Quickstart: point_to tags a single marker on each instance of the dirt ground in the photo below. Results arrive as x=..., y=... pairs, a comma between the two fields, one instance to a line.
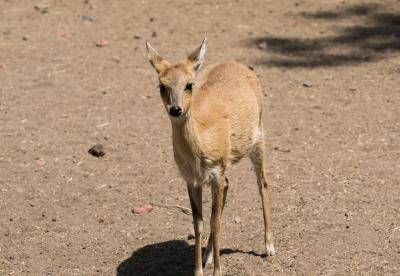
x=330, y=71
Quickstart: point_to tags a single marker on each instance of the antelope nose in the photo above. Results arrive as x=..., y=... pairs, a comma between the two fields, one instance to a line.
x=175, y=111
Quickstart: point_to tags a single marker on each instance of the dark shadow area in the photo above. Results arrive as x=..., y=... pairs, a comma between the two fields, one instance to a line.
x=375, y=34
x=355, y=10
x=167, y=258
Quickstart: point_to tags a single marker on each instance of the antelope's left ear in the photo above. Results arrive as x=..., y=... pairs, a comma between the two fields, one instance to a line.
x=197, y=56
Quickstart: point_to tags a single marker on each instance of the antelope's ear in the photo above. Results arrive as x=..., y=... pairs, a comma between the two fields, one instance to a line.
x=155, y=59
x=197, y=56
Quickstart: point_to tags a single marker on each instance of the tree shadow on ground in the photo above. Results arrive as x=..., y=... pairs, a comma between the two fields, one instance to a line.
x=376, y=32
x=174, y=257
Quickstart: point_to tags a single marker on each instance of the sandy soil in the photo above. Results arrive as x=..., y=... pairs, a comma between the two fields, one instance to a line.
x=333, y=148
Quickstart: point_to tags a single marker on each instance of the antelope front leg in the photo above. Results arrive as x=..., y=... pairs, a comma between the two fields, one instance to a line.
x=208, y=257
x=217, y=190
x=195, y=196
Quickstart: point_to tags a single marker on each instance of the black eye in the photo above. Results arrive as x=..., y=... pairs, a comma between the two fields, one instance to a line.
x=189, y=87
x=162, y=88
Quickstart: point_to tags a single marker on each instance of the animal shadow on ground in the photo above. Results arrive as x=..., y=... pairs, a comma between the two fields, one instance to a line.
x=374, y=31
x=175, y=257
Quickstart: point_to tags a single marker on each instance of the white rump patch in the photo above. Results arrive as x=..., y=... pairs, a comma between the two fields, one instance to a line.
x=215, y=172
x=199, y=175
x=211, y=175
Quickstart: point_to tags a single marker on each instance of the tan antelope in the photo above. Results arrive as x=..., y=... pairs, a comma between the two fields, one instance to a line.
x=216, y=118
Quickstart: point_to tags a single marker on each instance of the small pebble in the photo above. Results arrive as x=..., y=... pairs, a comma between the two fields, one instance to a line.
x=282, y=150
x=102, y=43
x=42, y=9
x=87, y=18
x=307, y=83
x=147, y=208
x=154, y=34
x=136, y=36
x=97, y=150
x=263, y=45
x=25, y=38
x=237, y=220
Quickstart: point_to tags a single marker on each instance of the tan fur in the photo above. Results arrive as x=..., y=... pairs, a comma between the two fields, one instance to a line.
x=221, y=123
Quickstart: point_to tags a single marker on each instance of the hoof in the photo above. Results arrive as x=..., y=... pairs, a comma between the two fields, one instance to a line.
x=270, y=249
x=198, y=272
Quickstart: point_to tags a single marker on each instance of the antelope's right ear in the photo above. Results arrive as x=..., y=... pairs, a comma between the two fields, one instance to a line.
x=196, y=58
x=155, y=59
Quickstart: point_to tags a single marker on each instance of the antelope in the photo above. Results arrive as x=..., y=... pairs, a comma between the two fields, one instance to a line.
x=216, y=119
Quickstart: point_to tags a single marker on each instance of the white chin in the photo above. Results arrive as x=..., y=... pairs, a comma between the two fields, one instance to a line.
x=178, y=118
